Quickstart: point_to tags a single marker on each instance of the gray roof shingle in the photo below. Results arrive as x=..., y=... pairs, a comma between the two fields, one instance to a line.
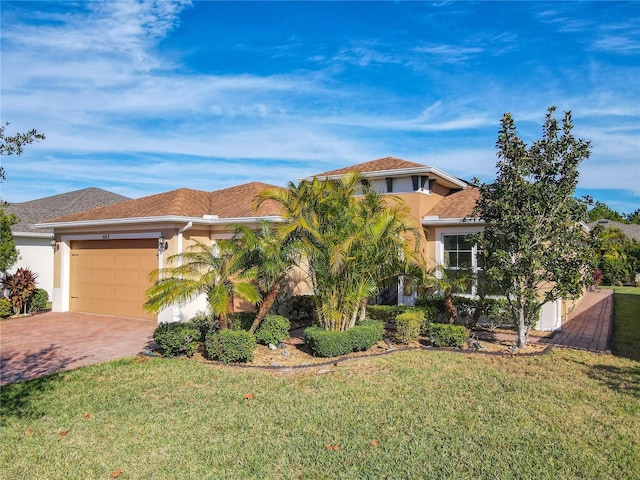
x=43, y=209
x=632, y=231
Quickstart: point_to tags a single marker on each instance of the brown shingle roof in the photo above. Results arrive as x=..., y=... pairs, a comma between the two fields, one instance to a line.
x=233, y=202
x=379, y=165
x=458, y=204
x=42, y=209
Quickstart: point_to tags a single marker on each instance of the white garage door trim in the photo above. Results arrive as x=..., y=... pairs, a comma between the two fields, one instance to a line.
x=63, y=294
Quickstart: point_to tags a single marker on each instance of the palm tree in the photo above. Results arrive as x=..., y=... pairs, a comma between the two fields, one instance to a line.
x=350, y=243
x=269, y=257
x=212, y=270
x=448, y=282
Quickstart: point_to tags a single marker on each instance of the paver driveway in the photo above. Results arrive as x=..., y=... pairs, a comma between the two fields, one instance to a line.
x=45, y=343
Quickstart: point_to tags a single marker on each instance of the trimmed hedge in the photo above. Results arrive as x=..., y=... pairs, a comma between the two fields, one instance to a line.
x=408, y=326
x=205, y=324
x=445, y=335
x=388, y=313
x=496, y=309
x=273, y=329
x=230, y=345
x=177, y=338
x=326, y=343
x=366, y=334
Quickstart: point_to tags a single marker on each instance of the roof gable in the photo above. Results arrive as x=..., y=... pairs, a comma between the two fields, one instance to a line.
x=42, y=209
x=379, y=165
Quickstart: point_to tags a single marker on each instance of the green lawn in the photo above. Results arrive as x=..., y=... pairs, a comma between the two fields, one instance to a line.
x=626, y=328
x=416, y=414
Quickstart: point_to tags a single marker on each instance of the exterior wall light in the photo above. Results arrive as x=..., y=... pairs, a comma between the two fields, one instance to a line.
x=162, y=244
x=54, y=244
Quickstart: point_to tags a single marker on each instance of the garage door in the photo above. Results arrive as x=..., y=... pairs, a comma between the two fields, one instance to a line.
x=111, y=276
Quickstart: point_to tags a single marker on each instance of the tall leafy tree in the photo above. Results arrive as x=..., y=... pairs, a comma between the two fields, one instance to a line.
x=601, y=211
x=351, y=244
x=534, y=240
x=270, y=257
x=11, y=145
x=634, y=217
x=211, y=270
x=8, y=250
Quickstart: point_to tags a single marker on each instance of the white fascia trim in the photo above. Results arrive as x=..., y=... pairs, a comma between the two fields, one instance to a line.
x=452, y=221
x=164, y=219
x=32, y=234
x=400, y=172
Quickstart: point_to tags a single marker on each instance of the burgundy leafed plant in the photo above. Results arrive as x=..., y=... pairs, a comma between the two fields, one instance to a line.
x=18, y=288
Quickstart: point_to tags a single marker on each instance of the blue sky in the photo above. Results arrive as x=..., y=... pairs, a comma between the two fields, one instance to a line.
x=148, y=96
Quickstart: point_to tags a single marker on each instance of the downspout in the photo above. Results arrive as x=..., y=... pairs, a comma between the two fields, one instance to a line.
x=177, y=315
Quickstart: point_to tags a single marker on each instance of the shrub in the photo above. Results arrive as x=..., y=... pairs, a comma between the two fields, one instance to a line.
x=298, y=309
x=273, y=329
x=38, y=300
x=177, y=338
x=204, y=323
x=242, y=320
x=230, y=345
x=445, y=335
x=388, y=313
x=497, y=309
x=20, y=286
x=325, y=343
x=466, y=306
x=365, y=334
x=5, y=307
x=433, y=301
x=409, y=326
x=385, y=313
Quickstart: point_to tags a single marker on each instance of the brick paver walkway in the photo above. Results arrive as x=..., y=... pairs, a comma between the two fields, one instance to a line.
x=45, y=343
x=589, y=326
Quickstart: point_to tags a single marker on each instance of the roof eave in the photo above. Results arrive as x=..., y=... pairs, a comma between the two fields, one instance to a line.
x=399, y=172
x=452, y=221
x=159, y=219
x=32, y=234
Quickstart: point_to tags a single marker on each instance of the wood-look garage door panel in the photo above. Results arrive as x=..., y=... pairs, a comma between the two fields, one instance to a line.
x=112, y=276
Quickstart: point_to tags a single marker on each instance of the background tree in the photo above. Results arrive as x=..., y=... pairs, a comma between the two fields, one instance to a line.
x=214, y=271
x=350, y=244
x=8, y=250
x=534, y=242
x=270, y=257
x=11, y=145
x=634, y=217
x=618, y=257
x=601, y=211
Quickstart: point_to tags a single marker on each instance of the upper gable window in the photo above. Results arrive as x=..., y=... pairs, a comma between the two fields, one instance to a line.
x=422, y=183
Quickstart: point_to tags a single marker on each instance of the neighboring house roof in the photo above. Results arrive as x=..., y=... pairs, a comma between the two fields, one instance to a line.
x=42, y=209
x=632, y=231
x=381, y=164
x=458, y=204
x=233, y=202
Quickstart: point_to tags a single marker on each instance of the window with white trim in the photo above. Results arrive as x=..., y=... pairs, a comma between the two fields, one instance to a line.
x=460, y=256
